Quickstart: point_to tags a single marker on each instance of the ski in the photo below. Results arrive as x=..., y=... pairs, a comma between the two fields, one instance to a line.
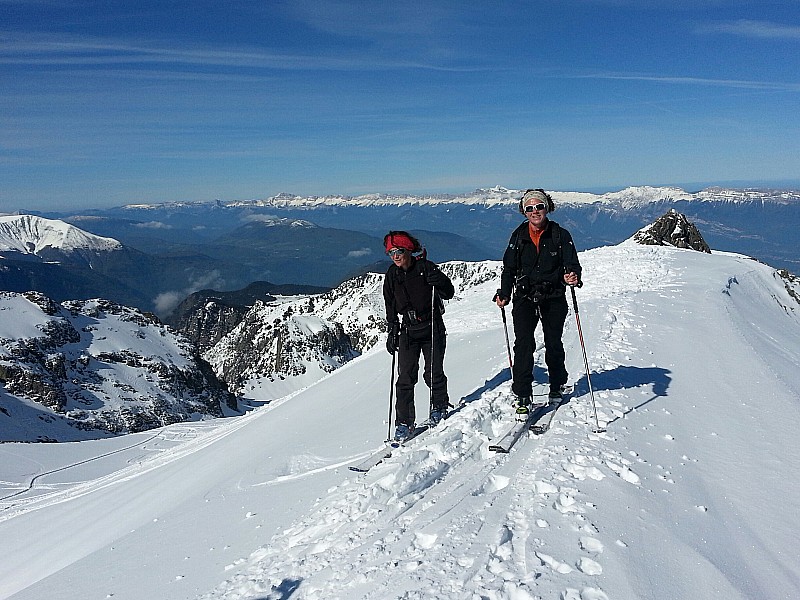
x=414, y=434
x=507, y=441
x=379, y=456
x=373, y=459
x=540, y=428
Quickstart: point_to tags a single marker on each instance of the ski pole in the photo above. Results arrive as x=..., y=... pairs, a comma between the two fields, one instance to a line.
x=391, y=395
x=433, y=304
x=508, y=344
x=597, y=429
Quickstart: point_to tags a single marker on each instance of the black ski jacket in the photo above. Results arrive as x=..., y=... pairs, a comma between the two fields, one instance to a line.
x=527, y=271
x=407, y=291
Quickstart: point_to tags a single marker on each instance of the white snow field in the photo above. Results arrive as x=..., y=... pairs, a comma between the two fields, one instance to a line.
x=690, y=494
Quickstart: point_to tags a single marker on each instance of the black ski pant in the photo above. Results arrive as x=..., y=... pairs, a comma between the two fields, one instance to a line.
x=526, y=315
x=412, y=344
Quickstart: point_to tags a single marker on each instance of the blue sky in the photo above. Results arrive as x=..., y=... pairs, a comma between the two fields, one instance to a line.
x=109, y=102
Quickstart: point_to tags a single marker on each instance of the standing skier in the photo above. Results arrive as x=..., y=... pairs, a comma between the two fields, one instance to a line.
x=538, y=264
x=414, y=288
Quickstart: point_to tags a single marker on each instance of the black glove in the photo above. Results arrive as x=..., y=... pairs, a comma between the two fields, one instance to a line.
x=433, y=277
x=501, y=295
x=393, y=338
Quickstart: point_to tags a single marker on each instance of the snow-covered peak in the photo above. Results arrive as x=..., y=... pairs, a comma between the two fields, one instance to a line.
x=631, y=197
x=30, y=234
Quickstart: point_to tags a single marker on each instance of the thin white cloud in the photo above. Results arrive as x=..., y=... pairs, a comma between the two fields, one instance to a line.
x=359, y=253
x=753, y=29
x=153, y=225
x=705, y=81
x=60, y=49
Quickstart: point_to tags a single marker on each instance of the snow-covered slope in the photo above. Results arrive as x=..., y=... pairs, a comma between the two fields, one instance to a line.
x=29, y=234
x=688, y=495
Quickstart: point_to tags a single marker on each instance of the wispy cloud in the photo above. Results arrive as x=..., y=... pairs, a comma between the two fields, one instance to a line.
x=752, y=29
x=704, y=81
x=63, y=50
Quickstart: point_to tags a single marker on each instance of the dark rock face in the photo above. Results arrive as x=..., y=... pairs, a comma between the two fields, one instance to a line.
x=672, y=229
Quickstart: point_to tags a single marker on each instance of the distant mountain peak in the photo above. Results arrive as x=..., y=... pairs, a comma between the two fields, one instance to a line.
x=30, y=234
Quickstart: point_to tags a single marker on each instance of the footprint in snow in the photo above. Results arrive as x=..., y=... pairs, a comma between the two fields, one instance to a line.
x=545, y=487
x=624, y=472
x=589, y=566
x=494, y=483
x=581, y=472
x=557, y=566
x=565, y=504
x=425, y=541
x=591, y=544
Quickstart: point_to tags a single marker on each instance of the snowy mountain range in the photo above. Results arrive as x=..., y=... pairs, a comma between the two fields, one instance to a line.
x=693, y=362
x=309, y=336
x=629, y=197
x=758, y=222
x=167, y=252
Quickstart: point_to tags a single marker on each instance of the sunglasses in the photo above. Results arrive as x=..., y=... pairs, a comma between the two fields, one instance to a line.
x=533, y=207
x=396, y=252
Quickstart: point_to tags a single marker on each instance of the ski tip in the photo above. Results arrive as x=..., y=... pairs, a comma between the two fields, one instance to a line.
x=498, y=449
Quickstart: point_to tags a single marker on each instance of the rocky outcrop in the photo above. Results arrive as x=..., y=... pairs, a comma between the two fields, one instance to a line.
x=672, y=229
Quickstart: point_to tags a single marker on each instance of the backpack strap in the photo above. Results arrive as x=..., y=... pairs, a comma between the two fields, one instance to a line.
x=555, y=232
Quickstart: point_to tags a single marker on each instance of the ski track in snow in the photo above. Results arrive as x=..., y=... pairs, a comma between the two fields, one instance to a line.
x=166, y=446
x=392, y=532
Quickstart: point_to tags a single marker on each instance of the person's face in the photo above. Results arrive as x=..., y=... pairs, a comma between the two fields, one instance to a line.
x=401, y=257
x=536, y=212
